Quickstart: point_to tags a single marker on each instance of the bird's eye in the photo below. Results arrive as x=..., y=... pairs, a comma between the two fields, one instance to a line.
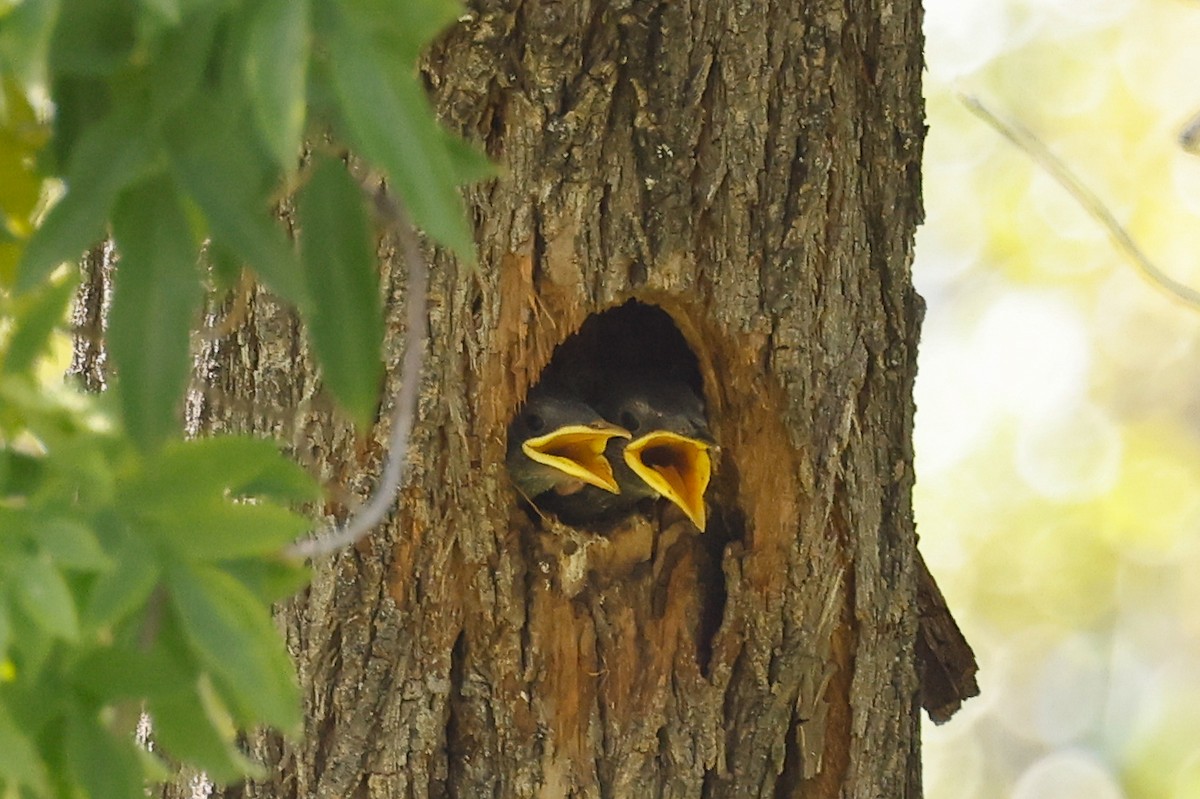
x=630, y=422
x=534, y=422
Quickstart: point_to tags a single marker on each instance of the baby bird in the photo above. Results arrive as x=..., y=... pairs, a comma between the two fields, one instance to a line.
x=556, y=448
x=669, y=454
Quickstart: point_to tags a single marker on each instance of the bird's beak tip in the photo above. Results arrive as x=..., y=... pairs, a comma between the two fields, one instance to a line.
x=612, y=430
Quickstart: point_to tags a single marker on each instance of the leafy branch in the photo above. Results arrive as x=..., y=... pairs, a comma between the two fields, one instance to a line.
x=137, y=569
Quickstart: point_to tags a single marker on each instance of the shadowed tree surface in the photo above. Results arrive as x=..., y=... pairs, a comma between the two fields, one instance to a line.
x=749, y=175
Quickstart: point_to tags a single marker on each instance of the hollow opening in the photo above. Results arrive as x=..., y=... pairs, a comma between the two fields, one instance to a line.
x=633, y=368
x=627, y=376
x=635, y=338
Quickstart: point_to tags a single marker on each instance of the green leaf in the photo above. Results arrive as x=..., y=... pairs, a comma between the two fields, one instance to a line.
x=107, y=768
x=233, y=635
x=36, y=318
x=347, y=325
x=228, y=179
x=116, y=672
x=180, y=60
x=10, y=254
x=270, y=580
x=80, y=103
x=93, y=37
x=391, y=122
x=211, y=468
x=70, y=544
x=276, y=68
x=156, y=298
x=109, y=156
x=31, y=650
x=404, y=29
x=219, y=530
x=119, y=592
x=469, y=163
x=20, y=474
x=154, y=769
x=42, y=593
x=25, y=40
x=226, y=266
x=167, y=10
x=5, y=635
x=194, y=726
x=22, y=137
x=285, y=482
x=19, y=760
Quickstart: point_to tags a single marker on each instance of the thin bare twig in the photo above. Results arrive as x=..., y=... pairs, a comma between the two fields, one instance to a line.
x=404, y=413
x=1027, y=142
x=1189, y=137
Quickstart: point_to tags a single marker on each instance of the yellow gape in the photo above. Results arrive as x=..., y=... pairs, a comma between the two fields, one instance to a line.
x=578, y=450
x=675, y=466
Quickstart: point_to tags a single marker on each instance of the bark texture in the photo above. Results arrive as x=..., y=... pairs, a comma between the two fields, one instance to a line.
x=751, y=170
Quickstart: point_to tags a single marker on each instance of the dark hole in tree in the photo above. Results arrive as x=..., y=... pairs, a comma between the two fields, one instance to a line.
x=634, y=338
x=640, y=339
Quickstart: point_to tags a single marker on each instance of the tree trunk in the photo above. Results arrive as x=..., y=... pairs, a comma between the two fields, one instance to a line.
x=752, y=171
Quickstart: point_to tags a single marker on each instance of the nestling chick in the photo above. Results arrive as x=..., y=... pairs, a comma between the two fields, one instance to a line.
x=556, y=446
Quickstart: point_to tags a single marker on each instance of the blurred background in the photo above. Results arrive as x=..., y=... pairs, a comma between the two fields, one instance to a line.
x=1058, y=399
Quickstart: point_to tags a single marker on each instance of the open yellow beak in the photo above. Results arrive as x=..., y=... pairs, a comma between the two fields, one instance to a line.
x=578, y=450
x=675, y=466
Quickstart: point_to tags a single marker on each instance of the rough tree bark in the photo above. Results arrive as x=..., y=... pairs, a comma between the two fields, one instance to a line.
x=752, y=171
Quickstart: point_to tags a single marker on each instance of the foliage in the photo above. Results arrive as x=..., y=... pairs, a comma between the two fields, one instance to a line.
x=137, y=569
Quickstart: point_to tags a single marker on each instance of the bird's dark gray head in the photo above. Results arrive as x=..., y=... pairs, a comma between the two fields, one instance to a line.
x=670, y=452
x=545, y=411
x=653, y=404
x=557, y=442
